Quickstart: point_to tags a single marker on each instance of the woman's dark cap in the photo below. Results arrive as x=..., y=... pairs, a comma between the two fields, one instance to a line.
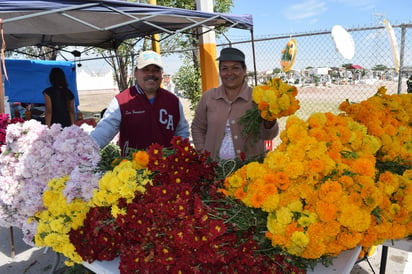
x=231, y=54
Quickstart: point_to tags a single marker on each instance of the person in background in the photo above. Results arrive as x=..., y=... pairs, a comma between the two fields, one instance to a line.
x=409, y=84
x=59, y=100
x=17, y=110
x=102, y=113
x=144, y=113
x=215, y=127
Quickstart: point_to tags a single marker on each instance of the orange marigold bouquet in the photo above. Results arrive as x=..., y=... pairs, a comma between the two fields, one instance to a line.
x=274, y=100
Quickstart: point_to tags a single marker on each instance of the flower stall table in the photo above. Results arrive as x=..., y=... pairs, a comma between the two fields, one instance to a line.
x=403, y=244
x=104, y=267
x=342, y=264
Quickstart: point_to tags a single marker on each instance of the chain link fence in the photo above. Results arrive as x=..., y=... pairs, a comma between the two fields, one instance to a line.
x=320, y=72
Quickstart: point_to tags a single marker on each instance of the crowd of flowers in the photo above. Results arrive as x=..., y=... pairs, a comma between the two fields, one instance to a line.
x=33, y=154
x=149, y=211
x=321, y=187
x=333, y=183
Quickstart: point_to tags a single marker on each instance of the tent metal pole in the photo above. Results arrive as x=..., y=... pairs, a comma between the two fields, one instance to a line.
x=402, y=54
x=1, y=92
x=254, y=55
x=75, y=7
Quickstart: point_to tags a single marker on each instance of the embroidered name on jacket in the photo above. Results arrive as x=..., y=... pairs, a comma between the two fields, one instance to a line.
x=127, y=112
x=164, y=118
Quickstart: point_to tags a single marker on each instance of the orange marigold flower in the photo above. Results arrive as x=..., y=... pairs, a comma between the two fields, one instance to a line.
x=399, y=231
x=269, y=189
x=263, y=106
x=387, y=177
x=346, y=181
x=330, y=191
x=316, y=165
x=349, y=239
x=282, y=180
x=292, y=228
x=335, y=247
x=364, y=166
x=316, y=229
x=140, y=159
x=383, y=230
x=315, y=248
x=331, y=228
x=240, y=194
x=369, y=237
x=278, y=240
x=372, y=196
x=319, y=134
x=326, y=211
x=257, y=199
x=334, y=155
x=375, y=129
x=390, y=130
x=403, y=216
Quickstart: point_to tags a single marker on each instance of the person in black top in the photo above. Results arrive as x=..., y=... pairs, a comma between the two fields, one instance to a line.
x=59, y=100
x=409, y=83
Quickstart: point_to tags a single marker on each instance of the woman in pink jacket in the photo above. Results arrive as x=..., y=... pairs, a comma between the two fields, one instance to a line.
x=215, y=127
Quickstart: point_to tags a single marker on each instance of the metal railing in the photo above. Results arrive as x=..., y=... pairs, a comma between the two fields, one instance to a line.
x=320, y=72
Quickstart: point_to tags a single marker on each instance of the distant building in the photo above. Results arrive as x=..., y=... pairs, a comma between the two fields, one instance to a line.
x=95, y=81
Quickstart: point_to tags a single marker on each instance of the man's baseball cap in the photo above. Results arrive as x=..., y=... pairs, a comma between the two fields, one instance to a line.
x=231, y=54
x=149, y=57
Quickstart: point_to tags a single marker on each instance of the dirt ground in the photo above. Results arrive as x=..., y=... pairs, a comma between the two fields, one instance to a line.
x=94, y=101
x=313, y=99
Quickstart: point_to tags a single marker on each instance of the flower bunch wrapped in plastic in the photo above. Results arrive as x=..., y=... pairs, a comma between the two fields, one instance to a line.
x=274, y=100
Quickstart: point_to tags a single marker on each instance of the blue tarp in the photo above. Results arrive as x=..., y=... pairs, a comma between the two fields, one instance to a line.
x=28, y=79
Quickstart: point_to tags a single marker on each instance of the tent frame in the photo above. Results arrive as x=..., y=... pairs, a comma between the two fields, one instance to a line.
x=129, y=18
x=21, y=24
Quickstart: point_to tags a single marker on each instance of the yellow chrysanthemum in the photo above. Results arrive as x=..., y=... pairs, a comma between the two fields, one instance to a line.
x=298, y=242
x=354, y=218
x=284, y=215
x=270, y=203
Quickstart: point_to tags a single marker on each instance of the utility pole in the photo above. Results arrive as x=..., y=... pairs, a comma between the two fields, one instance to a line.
x=207, y=50
x=155, y=37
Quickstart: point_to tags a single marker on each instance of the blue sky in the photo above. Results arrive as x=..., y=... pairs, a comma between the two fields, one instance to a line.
x=274, y=17
x=271, y=17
